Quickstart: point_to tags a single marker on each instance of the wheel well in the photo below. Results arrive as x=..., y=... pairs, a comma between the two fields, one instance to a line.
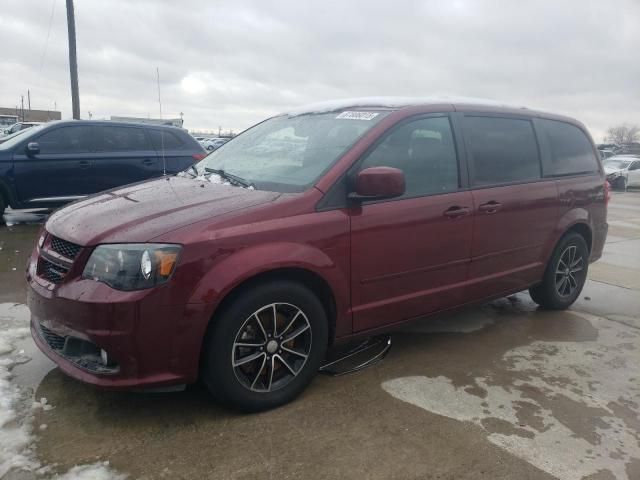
x=4, y=195
x=583, y=230
x=311, y=280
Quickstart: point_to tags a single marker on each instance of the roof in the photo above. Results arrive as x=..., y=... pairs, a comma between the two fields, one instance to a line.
x=393, y=103
x=110, y=122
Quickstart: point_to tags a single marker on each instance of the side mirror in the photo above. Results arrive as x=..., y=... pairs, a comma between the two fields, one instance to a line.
x=376, y=183
x=33, y=148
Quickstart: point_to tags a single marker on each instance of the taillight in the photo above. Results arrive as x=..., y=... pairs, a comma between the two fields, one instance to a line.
x=198, y=156
x=607, y=192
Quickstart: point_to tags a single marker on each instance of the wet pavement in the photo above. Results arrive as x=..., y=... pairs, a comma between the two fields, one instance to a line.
x=504, y=390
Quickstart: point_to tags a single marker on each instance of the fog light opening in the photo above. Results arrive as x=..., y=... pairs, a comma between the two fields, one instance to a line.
x=104, y=357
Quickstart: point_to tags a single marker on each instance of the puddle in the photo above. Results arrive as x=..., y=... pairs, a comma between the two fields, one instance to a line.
x=570, y=408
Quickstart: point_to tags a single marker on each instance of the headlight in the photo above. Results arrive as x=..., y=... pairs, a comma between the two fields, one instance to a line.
x=43, y=237
x=132, y=266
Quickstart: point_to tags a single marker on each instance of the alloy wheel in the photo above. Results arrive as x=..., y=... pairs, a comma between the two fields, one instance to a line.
x=570, y=265
x=271, y=348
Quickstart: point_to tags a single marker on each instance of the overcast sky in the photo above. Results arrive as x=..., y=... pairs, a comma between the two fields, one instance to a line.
x=233, y=63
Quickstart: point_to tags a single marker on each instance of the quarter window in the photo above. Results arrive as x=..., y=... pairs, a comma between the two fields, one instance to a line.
x=70, y=140
x=165, y=140
x=570, y=150
x=501, y=150
x=424, y=150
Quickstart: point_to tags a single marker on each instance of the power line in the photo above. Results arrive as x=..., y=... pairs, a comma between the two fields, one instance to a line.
x=46, y=43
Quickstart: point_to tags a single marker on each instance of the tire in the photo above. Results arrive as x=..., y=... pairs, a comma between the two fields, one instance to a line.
x=561, y=284
x=278, y=373
x=3, y=206
x=621, y=184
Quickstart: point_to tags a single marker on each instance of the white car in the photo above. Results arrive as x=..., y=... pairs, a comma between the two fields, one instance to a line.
x=622, y=171
x=16, y=127
x=214, y=143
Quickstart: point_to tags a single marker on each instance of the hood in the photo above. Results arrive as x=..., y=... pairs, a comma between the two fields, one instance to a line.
x=140, y=212
x=609, y=170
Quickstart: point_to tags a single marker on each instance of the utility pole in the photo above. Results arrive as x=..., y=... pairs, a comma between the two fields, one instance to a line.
x=29, y=99
x=22, y=106
x=73, y=61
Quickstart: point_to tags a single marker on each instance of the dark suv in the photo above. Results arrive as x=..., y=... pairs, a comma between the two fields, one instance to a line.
x=309, y=229
x=55, y=163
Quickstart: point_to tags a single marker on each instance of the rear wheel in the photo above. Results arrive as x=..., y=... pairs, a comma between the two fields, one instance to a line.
x=266, y=346
x=565, y=274
x=3, y=205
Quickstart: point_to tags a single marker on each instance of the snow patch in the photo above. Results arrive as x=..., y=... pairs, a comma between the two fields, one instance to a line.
x=95, y=471
x=17, y=406
x=527, y=413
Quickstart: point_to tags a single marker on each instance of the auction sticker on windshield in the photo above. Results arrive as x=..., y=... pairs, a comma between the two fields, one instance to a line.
x=358, y=115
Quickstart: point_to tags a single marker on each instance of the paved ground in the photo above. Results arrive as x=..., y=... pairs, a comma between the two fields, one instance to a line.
x=500, y=391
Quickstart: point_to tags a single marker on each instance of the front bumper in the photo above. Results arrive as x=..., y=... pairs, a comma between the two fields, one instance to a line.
x=149, y=344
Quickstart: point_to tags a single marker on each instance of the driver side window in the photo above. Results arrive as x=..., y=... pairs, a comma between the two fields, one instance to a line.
x=424, y=150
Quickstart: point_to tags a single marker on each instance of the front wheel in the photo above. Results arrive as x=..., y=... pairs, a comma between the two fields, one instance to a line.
x=565, y=274
x=265, y=347
x=621, y=184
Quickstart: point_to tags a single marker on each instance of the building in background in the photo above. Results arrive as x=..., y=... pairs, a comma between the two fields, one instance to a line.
x=27, y=115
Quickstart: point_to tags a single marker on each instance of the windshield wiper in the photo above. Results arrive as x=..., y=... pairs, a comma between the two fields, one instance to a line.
x=234, y=179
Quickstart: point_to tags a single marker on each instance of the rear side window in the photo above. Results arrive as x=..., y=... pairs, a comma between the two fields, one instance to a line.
x=501, y=150
x=122, y=139
x=72, y=139
x=165, y=139
x=570, y=150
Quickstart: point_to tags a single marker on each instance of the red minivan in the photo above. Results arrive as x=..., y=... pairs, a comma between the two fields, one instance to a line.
x=310, y=228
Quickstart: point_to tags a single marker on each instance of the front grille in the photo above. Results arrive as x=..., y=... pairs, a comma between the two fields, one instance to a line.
x=64, y=248
x=54, y=340
x=50, y=271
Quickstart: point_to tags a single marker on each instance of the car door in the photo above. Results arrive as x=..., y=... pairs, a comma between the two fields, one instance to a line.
x=60, y=172
x=123, y=155
x=515, y=209
x=634, y=174
x=409, y=254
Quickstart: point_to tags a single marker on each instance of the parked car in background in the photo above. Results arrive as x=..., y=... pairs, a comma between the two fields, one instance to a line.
x=16, y=127
x=6, y=138
x=212, y=144
x=54, y=163
x=623, y=171
x=309, y=229
x=6, y=121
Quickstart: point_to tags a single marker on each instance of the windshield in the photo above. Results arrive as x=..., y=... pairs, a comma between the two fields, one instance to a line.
x=15, y=138
x=288, y=154
x=619, y=164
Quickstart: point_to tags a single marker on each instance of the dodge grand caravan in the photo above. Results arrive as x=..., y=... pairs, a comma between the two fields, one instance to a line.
x=311, y=228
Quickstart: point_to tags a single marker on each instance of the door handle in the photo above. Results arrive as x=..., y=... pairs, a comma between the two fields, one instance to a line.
x=456, y=211
x=84, y=164
x=490, y=207
x=148, y=161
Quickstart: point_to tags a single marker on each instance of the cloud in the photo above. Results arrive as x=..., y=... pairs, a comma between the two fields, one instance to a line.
x=233, y=63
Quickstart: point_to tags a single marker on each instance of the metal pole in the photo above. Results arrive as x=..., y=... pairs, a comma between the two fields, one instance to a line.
x=73, y=61
x=22, y=106
x=29, y=99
